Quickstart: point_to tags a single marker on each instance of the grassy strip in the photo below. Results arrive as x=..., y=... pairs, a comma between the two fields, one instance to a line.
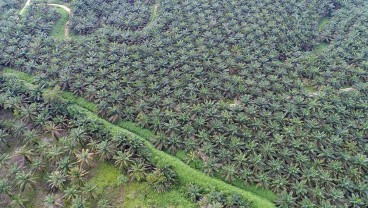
x=133, y=194
x=59, y=29
x=79, y=101
x=323, y=23
x=154, y=11
x=186, y=174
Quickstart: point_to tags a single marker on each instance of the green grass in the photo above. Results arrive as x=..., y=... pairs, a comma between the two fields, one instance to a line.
x=79, y=101
x=59, y=29
x=106, y=175
x=186, y=174
x=144, y=133
x=19, y=74
x=141, y=195
x=323, y=23
x=154, y=12
x=253, y=188
x=136, y=194
x=321, y=47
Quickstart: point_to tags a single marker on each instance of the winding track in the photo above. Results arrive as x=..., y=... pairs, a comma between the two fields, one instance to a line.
x=67, y=9
x=25, y=6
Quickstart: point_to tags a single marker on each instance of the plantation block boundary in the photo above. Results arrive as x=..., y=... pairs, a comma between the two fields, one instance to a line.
x=185, y=173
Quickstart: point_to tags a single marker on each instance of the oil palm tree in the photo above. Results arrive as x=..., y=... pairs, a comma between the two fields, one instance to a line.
x=104, y=150
x=123, y=160
x=5, y=187
x=25, y=179
x=26, y=152
x=56, y=180
x=77, y=175
x=18, y=201
x=51, y=201
x=84, y=157
x=137, y=171
x=53, y=129
x=3, y=138
x=79, y=202
x=4, y=159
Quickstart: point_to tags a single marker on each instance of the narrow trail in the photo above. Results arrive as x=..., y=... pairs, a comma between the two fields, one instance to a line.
x=25, y=6
x=155, y=9
x=67, y=9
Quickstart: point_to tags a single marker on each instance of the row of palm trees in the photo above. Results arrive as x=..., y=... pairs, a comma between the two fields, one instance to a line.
x=230, y=83
x=57, y=155
x=87, y=17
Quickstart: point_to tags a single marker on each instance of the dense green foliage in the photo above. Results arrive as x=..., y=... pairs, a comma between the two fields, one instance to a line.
x=272, y=93
x=123, y=15
x=113, y=139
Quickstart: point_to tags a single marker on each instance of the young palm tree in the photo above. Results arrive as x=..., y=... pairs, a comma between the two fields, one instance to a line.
x=28, y=112
x=104, y=150
x=25, y=180
x=84, y=157
x=65, y=164
x=229, y=171
x=137, y=171
x=123, y=159
x=25, y=152
x=77, y=175
x=53, y=129
x=4, y=158
x=79, y=202
x=89, y=191
x=79, y=135
x=56, y=180
x=5, y=187
x=54, y=153
x=18, y=201
x=71, y=193
x=51, y=201
x=193, y=192
x=3, y=136
x=103, y=203
x=30, y=136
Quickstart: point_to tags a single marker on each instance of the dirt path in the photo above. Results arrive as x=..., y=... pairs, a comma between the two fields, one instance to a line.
x=61, y=6
x=155, y=9
x=25, y=6
x=67, y=9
